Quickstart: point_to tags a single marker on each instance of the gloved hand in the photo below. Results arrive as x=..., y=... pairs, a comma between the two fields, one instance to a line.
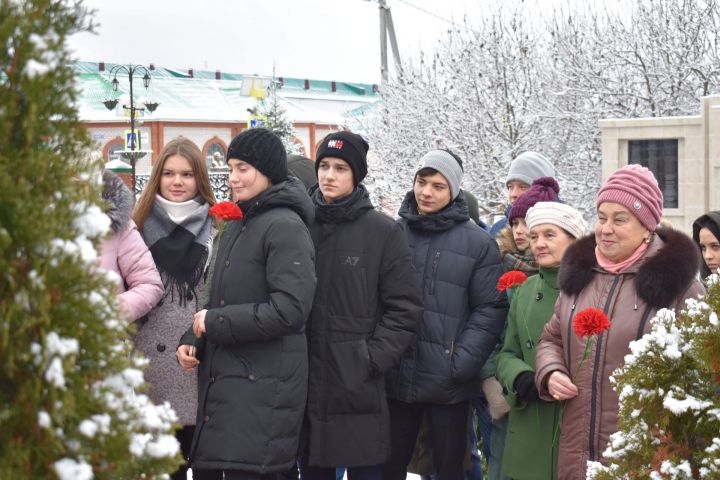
x=525, y=387
x=497, y=405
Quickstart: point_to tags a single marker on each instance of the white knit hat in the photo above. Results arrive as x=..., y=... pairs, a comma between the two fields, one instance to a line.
x=558, y=214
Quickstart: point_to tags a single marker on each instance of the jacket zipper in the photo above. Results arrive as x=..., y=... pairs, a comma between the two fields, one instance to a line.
x=435, y=262
x=643, y=321
x=570, y=331
x=598, y=349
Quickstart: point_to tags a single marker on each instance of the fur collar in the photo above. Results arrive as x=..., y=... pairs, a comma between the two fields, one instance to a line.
x=669, y=268
x=118, y=196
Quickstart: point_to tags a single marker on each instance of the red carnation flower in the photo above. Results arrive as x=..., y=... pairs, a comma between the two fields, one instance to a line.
x=511, y=279
x=589, y=322
x=225, y=211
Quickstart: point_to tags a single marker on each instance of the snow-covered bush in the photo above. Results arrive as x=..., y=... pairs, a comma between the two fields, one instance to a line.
x=669, y=390
x=71, y=402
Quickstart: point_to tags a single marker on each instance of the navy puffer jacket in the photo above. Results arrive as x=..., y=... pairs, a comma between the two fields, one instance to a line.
x=464, y=313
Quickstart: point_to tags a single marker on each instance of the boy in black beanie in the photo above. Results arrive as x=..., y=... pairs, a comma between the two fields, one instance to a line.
x=366, y=310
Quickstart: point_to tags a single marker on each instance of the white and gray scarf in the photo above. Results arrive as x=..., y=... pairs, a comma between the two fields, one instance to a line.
x=178, y=236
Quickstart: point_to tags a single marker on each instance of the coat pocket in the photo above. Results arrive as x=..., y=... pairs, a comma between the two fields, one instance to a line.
x=351, y=387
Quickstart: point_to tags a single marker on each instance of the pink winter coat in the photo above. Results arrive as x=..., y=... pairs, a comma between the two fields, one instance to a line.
x=125, y=253
x=664, y=277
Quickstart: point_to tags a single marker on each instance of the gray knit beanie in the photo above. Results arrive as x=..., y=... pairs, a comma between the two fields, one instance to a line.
x=445, y=163
x=528, y=167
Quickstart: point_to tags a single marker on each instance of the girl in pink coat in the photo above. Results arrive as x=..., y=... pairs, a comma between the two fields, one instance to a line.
x=125, y=253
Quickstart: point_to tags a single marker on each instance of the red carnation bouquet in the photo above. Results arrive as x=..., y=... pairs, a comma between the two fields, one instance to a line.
x=510, y=280
x=221, y=212
x=225, y=211
x=589, y=323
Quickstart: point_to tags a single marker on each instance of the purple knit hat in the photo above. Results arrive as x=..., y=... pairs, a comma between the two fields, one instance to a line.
x=635, y=188
x=544, y=189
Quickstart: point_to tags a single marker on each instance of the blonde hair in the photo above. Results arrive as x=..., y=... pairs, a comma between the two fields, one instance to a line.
x=190, y=152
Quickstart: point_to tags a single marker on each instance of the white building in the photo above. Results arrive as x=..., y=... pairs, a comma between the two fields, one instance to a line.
x=682, y=152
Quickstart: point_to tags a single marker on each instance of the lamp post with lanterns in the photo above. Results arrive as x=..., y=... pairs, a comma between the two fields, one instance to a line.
x=132, y=141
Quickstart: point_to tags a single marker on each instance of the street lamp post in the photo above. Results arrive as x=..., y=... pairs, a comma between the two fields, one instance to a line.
x=131, y=70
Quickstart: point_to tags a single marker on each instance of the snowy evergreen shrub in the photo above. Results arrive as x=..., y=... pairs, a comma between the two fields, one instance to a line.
x=71, y=405
x=669, y=421
x=277, y=119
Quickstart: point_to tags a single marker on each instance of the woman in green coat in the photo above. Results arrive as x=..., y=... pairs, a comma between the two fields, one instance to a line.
x=529, y=448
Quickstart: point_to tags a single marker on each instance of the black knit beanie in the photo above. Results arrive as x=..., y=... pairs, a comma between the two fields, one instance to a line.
x=262, y=149
x=350, y=147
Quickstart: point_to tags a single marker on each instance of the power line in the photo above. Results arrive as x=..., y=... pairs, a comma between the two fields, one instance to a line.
x=428, y=12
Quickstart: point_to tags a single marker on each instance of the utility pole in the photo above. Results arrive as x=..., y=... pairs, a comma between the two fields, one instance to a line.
x=387, y=29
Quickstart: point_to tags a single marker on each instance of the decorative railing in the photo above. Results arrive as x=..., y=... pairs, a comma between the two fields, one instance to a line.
x=218, y=180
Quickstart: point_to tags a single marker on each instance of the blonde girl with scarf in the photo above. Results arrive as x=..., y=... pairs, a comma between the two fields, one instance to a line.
x=172, y=217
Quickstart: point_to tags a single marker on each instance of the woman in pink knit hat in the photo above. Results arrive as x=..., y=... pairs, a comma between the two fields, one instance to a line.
x=630, y=268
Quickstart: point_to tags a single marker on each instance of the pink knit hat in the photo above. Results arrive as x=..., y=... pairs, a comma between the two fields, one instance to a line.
x=635, y=188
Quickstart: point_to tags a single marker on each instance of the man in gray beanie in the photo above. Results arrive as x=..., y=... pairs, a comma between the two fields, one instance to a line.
x=491, y=407
x=524, y=170
x=463, y=316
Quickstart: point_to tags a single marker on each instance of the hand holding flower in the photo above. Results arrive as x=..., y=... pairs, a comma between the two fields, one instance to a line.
x=185, y=358
x=561, y=387
x=199, y=323
x=588, y=323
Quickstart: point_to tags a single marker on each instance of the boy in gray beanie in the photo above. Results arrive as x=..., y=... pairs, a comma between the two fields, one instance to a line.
x=463, y=316
x=491, y=406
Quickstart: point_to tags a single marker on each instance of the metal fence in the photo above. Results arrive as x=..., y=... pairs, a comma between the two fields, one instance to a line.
x=219, y=182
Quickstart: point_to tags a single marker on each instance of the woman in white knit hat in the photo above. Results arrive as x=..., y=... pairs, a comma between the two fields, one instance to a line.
x=530, y=451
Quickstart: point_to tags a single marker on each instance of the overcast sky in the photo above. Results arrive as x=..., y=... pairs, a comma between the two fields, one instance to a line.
x=320, y=39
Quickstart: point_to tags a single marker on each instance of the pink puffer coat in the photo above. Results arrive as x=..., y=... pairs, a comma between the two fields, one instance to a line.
x=125, y=253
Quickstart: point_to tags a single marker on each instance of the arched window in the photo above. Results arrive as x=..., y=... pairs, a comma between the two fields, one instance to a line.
x=214, y=153
x=112, y=149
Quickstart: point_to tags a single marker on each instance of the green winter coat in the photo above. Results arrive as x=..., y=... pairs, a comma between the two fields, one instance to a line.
x=529, y=450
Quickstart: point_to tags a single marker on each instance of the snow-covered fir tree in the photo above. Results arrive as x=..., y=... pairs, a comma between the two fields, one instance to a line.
x=669, y=390
x=276, y=118
x=71, y=402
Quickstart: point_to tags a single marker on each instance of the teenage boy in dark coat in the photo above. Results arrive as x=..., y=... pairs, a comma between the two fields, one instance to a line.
x=367, y=308
x=462, y=320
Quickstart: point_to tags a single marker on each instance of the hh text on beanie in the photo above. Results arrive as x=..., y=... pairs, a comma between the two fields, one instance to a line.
x=347, y=146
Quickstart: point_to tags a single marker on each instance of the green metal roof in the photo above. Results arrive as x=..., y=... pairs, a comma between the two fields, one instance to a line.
x=204, y=98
